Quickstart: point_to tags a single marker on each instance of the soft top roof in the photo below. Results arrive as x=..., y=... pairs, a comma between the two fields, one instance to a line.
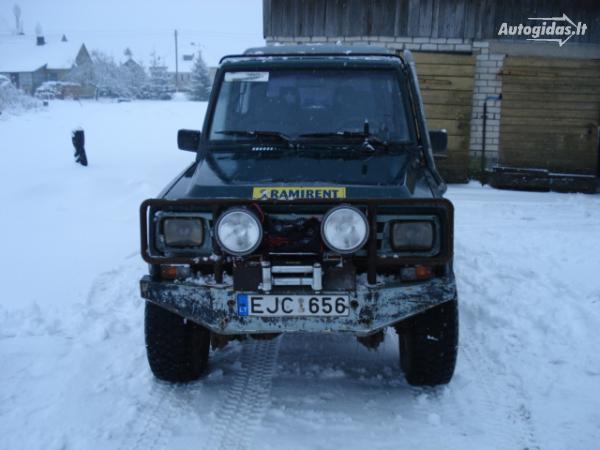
x=315, y=50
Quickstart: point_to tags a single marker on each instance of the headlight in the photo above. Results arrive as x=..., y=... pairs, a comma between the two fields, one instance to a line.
x=412, y=236
x=344, y=229
x=238, y=232
x=183, y=232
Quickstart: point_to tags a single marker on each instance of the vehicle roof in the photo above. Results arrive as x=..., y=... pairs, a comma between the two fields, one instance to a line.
x=300, y=51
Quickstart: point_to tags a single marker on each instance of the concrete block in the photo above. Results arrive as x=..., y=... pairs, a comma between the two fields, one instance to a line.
x=493, y=64
x=446, y=47
x=395, y=45
x=463, y=47
x=429, y=47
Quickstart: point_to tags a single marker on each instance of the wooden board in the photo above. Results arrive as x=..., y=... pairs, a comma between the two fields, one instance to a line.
x=447, y=81
x=550, y=114
x=466, y=19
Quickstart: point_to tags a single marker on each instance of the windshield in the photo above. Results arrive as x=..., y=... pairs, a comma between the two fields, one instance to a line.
x=297, y=103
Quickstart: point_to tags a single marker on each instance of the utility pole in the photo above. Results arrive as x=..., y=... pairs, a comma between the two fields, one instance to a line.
x=176, y=64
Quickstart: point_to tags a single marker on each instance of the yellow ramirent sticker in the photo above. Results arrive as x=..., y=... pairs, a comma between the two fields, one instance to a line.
x=298, y=192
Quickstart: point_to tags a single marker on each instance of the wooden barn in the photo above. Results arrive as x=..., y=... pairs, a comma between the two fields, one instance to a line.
x=540, y=86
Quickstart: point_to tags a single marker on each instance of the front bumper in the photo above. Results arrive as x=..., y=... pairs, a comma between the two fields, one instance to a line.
x=376, y=306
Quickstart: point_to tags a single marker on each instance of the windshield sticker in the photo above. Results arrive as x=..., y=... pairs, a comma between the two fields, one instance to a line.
x=298, y=192
x=255, y=77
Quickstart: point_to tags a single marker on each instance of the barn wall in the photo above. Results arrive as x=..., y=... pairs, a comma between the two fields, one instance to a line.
x=447, y=82
x=551, y=114
x=456, y=19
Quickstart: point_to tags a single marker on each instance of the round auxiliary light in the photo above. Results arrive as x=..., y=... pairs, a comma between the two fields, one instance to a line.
x=344, y=229
x=238, y=232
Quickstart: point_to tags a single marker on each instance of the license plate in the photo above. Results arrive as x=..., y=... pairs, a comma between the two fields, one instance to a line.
x=292, y=305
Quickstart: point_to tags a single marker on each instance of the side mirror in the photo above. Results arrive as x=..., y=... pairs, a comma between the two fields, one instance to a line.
x=439, y=143
x=188, y=140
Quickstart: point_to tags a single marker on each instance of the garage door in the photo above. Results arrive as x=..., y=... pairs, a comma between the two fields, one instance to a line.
x=446, y=81
x=550, y=114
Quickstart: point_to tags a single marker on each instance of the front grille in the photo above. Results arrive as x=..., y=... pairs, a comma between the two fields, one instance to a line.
x=292, y=234
x=380, y=237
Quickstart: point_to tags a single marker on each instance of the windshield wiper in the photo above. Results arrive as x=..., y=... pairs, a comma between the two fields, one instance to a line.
x=370, y=140
x=257, y=134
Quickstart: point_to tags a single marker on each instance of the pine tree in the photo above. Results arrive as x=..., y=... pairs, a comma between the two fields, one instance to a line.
x=159, y=87
x=200, y=85
x=134, y=75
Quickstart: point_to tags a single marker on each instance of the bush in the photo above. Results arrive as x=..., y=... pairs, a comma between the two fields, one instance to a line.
x=14, y=100
x=50, y=90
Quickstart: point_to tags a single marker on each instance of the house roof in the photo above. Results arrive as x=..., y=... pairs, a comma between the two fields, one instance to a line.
x=21, y=54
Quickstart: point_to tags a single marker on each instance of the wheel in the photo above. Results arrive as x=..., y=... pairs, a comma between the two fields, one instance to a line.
x=428, y=345
x=177, y=349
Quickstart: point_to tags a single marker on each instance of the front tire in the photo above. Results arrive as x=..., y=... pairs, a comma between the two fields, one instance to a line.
x=429, y=344
x=177, y=349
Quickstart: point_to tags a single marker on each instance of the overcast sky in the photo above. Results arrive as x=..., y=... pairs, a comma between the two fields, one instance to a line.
x=217, y=27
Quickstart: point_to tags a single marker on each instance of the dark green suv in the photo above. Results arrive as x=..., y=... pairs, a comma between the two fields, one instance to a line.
x=313, y=205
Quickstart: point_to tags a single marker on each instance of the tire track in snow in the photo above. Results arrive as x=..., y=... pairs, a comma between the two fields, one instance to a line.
x=151, y=427
x=247, y=399
x=508, y=416
x=498, y=386
x=109, y=298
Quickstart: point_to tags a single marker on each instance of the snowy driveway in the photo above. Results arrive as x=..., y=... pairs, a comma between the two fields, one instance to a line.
x=74, y=373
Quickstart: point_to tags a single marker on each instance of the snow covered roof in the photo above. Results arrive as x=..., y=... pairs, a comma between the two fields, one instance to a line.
x=21, y=54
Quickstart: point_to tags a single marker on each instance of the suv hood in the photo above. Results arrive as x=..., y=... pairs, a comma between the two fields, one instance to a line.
x=227, y=175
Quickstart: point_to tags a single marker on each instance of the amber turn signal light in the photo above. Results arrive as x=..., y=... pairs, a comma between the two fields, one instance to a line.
x=416, y=273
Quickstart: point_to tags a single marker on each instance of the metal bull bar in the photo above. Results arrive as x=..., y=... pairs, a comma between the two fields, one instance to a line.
x=441, y=207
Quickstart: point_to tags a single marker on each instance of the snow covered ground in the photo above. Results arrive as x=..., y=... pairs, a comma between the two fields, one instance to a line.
x=74, y=374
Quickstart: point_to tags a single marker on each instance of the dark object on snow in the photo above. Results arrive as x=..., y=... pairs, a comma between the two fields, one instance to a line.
x=78, y=139
x=523, y=179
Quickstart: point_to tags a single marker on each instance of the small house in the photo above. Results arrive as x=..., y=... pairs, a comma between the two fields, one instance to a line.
x=28, y=62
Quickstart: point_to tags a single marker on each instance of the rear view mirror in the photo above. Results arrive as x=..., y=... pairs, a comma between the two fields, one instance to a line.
x=439, y=142
x=188, y=140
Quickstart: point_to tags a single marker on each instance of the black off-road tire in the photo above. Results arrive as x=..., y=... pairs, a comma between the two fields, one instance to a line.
x=429, y=344
x=177, y=349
